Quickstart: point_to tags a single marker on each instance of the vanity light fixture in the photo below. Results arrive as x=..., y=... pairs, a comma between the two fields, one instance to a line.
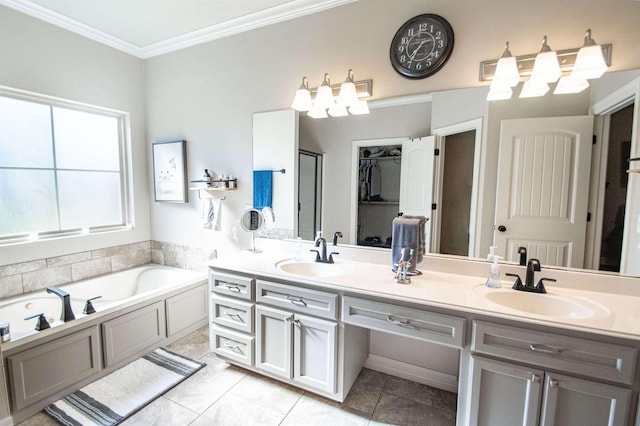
x=337, y=100
x=578, y=65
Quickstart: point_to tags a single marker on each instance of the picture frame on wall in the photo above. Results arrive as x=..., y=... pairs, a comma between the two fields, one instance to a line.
x=170, y=171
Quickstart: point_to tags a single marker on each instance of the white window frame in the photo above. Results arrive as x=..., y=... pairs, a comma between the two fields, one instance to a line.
x=124, y=146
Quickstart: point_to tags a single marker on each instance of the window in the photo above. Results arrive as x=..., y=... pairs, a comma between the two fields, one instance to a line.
x=61, y=168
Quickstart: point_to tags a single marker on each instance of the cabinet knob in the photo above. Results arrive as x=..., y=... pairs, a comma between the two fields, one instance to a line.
x=553, y=383
x=535, y=378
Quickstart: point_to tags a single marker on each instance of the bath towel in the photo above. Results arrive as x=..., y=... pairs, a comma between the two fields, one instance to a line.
x=408, y=233
x=262, y=189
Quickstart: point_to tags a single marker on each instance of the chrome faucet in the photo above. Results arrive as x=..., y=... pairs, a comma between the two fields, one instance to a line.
x=321, y=255
x=533, y=266
x=67, y=312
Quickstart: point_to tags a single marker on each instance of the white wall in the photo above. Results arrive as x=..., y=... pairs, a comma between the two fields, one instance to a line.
x=41, y=58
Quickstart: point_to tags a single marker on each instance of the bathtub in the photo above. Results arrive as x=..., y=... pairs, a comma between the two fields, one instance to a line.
x=116, y=290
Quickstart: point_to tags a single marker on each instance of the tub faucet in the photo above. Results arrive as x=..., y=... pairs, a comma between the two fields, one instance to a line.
x=67, y=312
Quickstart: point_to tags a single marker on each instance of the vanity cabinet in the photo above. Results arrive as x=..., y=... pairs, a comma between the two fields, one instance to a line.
x=532, y=382
x=231, y=313
x=291, y=343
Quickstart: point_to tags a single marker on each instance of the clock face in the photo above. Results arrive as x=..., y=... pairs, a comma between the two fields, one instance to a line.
x=421, y=46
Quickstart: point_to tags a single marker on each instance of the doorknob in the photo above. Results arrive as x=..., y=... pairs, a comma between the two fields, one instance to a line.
x=502, y=228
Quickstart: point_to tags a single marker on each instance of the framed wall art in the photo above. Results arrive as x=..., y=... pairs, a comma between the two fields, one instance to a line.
x=170, y=171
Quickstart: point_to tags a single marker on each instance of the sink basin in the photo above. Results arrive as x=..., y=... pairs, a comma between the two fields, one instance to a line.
x=551, y=305
x=314, y=269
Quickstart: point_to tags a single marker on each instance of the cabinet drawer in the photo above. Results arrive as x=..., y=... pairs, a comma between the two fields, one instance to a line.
x=311, y=302
x=232, y=285
x=415, y=323
x=234, y=346
x=548, y=350
x=232, y=313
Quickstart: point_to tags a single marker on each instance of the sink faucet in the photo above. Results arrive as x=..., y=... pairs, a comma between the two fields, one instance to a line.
x=67, y=312
x=336, y=235
x=533, y=266
x=321, y=255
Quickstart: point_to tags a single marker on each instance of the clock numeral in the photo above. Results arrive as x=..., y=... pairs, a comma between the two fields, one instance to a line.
x=400, y=49
x=411, y=32
x=440, y=44
x=405, y=40
x=403, y=58
x=419, y=66
x=423, y=27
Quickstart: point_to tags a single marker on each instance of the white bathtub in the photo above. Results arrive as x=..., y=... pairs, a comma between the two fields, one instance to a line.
x=119, y=288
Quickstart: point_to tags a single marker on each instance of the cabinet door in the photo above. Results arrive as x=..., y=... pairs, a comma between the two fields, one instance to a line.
x=314, y=352
x=504, y=394
x=569, y=401
x=273, y=341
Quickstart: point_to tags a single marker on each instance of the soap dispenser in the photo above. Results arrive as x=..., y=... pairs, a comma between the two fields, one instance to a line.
x=493, y=280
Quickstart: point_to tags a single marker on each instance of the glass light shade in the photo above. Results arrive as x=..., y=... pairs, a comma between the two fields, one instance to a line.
x=570, y=84
x=590, y=63
x=347, y=95
x=359, y=108
x=324, y=94
x=507, y=74
x=532, y=89
x=302, y=100
x=316, y=112
x=546, y=68
x=499, y=93
x=338, y=111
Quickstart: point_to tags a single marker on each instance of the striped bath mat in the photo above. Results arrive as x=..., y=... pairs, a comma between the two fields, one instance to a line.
x=113, y=398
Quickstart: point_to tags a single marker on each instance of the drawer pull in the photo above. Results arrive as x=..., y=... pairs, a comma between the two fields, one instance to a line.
x=553, y=383
x=232, y=346
x=233, y=315
x=535, y=378
x=233, y=288
x=297, y=301
x=401, y=323
x=548, y=350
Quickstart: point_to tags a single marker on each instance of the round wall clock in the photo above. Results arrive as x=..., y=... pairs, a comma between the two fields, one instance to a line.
x=421, y=46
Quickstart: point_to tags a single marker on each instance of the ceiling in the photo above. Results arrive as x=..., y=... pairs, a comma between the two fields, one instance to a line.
x=147, y=28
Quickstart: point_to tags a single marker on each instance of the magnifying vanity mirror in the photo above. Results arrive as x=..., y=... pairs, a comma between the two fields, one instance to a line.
x=608, y=239
x=252, y=221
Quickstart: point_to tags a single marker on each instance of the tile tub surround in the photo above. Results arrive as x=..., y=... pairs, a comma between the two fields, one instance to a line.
x=25, y=277
x=222, y=394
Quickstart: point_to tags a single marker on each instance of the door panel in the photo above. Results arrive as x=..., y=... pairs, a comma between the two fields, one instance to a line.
x=273, y=341
x=543, y=184
x=315, y=352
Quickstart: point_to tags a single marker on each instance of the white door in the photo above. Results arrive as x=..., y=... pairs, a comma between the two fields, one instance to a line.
x=543, y=188
x=416, y=180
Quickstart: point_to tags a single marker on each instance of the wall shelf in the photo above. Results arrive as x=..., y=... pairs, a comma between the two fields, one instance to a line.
x=215, y=186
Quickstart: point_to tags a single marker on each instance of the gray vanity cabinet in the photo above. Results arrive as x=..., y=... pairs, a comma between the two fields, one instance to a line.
x=511, y=391
x=293, y=345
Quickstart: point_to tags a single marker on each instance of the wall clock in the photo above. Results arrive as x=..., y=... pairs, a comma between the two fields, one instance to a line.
x=421, y=46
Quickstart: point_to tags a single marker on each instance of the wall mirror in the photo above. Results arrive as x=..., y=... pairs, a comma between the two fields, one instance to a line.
x=608, y=232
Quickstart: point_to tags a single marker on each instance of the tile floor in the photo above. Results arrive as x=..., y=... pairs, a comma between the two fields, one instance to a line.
x=223, y=394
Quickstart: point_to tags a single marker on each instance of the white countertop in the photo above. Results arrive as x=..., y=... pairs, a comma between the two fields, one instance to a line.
x=616, y=314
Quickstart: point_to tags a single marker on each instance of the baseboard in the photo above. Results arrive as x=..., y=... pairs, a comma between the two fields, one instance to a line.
x=414, y=373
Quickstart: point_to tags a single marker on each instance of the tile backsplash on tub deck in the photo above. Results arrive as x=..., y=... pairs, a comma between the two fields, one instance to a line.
x=38, y=274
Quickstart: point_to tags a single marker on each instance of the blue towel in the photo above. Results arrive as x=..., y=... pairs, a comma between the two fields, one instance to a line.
x=262, y=189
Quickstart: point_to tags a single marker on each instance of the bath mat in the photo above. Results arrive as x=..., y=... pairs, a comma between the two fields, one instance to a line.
x=113, y=398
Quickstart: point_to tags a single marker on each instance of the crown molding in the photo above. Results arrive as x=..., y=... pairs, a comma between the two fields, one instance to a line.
x=290, y=10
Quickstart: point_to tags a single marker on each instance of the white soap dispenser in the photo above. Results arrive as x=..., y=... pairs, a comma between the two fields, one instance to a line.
x=493, y=280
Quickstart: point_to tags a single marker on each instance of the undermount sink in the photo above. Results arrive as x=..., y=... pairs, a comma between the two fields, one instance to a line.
x=551, y=305
x=314, y=269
